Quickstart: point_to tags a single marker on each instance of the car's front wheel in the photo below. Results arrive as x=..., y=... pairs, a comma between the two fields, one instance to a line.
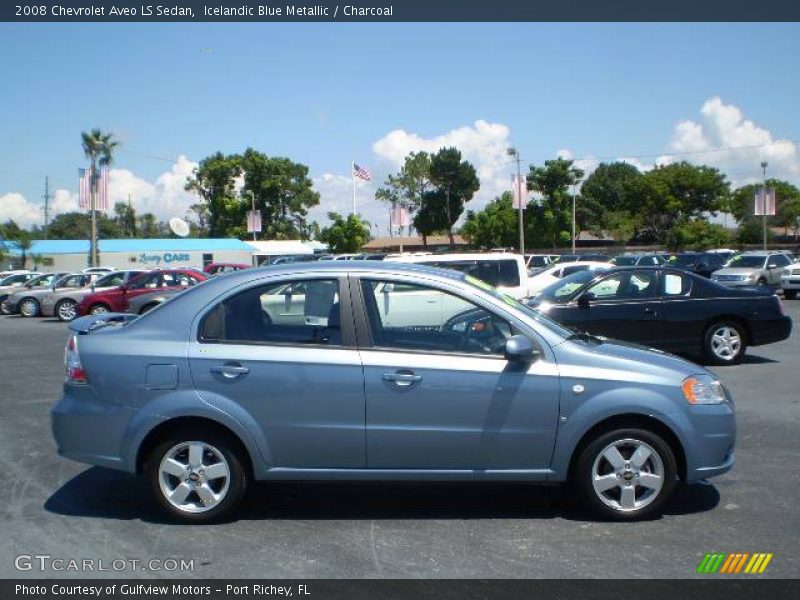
x=725, y=343
x=29, y=307
x=99, y=309
x=626, y=474
x=790, y=294
x=66, y=310
x=197, y=476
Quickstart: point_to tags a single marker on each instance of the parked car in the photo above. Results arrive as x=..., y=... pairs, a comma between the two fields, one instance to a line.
x=11, y=282
x=636, y=260
x=753, y=268
x=547, y=277
x=503, y=270
x=790, y=281
x=64, y=303
x=670, y=309
x=217, y=268
x=100, y=270
x=141, y=304
x=702, y=263
x=538, y=262
x=586, y=256
x=117, y=299
x=28, y=301
x=216, y=394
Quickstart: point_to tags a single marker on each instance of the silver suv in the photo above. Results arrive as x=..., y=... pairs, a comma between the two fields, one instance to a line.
x=752, y=268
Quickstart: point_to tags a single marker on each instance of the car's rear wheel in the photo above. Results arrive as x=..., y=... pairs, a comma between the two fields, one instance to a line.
x=66, y=310
x=147, y=307
x=29, y=307
x=790, y=294
x=99, y=309
x=626, y=474
x=725, y=343
x=197, y=476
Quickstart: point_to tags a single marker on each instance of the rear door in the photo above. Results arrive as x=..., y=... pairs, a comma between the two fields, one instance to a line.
x=298, y=383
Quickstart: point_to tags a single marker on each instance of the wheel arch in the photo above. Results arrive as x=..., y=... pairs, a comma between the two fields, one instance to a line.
x=627, y=421
x=738, y=319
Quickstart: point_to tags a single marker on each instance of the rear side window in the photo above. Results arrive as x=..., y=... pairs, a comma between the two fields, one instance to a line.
x=676, y=285
x=295, y=312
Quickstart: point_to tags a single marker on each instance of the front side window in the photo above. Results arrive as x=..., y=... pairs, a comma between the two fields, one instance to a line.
x=427, y=319
x=298, y=312
x=628, y=285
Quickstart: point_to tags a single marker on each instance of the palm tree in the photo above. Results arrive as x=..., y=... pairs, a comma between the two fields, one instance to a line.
x=23, y=243
x=99, y=149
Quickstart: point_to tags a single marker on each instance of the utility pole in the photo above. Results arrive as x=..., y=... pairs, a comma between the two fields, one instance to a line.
x=93, y=194
x=764, y=165
x=515, y=153
x=46, y=204
x=574, y=196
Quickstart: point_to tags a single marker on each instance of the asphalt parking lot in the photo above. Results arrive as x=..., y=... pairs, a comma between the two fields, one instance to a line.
x=52, y=506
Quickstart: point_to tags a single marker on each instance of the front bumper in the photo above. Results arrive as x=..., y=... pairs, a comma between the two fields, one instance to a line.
x=790, y=282
x=11, y=306
x=736, y=282
x=710, y=443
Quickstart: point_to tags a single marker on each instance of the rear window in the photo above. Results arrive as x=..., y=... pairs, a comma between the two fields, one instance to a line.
x=504, y=273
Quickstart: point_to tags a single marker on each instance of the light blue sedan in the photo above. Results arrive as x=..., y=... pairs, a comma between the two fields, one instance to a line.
x=366, y=370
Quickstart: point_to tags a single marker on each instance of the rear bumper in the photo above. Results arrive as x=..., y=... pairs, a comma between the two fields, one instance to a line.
x=792, y=282
x=770, y=331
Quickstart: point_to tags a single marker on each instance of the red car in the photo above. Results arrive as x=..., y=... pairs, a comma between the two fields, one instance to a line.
x=116, y=299
x=217, y=268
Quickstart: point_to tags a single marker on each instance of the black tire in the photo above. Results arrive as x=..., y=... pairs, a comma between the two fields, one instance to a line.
x=652, y=501
x=762, y=282
x=3, y=306
x=62, y=305
x=34, y=310
x=148, y=307
x=714, y=357
x=790, y=294
x=227, y=446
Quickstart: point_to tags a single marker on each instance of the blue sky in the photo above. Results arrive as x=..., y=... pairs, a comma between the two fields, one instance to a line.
x=324, y=94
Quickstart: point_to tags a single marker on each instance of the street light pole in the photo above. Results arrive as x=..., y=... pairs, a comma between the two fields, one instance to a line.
x=764, y=165
x=574, y=195
x=515, y=153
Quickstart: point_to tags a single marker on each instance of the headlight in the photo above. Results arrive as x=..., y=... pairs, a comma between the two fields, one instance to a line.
x=703, y=389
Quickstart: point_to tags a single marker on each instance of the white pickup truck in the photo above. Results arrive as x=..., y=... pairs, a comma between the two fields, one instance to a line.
x=504, y=270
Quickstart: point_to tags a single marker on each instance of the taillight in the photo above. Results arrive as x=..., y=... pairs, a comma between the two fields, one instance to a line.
x=72, y=362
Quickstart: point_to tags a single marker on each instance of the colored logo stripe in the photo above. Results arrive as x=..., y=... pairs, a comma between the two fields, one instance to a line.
x=717, y=562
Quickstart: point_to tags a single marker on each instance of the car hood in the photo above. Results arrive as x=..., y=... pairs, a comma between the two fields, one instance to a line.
x=615, y=359
x=737, y=271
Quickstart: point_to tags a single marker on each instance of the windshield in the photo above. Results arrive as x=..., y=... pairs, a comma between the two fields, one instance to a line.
x=746, y=262
x=683, y=259
x=12, y=279
x=41, y=280
x=624, y=261
x=566, y=286
x=552, y=325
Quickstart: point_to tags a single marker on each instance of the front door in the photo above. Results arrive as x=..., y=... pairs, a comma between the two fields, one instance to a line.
x=298, y=379
x=441, y=396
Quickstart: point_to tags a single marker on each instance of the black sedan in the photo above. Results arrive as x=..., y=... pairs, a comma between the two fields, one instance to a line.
x=702, y=263
x=667, y=308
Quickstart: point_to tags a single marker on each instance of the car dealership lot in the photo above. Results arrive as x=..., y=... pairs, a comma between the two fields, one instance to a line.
x=56, y=507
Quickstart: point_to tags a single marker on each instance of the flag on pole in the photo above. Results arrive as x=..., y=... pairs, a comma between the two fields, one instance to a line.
x=85, y=189
x=765, y=202
x=361, y=172
x=520, y=189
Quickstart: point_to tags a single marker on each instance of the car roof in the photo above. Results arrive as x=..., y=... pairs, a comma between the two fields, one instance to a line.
x=494, y=256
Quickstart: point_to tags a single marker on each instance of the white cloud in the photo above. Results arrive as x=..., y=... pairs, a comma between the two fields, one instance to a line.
x=725, y=139
x=14, y=206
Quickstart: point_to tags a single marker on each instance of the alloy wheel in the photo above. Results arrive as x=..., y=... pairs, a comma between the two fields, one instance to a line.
x=29, y=308
x=194, y=477
x=67, y=310
x=99, y=310
x=726, y=342
x=627, y=475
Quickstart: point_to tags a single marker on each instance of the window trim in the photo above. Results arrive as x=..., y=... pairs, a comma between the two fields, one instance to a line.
x=345, y=308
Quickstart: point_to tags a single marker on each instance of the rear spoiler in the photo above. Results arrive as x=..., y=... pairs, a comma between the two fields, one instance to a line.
x=89, y=323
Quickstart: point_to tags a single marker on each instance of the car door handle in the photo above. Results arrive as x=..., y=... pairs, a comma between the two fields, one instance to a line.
x=402, y=379
x=230, y=371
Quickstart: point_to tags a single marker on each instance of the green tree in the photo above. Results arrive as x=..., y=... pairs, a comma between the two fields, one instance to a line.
x=23, y=242
x=493, y=227
x=607, y=199
x=674, y=194
x=409, y=186
x=283, y=193
x=214, y=181
x=699, y=234
x=455, y=182
x=148, y=226
x=345, y=234
x=10, y=230
x=787, y=209
x=553, y=181
x=99, y=148
x=198, y=217
x=126, y=219
x=73, y=226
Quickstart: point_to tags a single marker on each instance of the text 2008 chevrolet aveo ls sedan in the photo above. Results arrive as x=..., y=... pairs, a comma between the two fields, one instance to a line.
x=367, y=371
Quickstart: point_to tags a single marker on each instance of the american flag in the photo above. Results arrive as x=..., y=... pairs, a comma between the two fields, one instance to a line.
x=85, y=189
x=361, y=172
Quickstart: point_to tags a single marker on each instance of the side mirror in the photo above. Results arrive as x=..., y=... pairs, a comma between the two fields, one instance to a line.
x=585, y=299
x=388, y=288
x=518, y=348
x=772, y=266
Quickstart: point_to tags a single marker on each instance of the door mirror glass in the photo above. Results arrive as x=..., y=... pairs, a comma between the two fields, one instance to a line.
x=519, y=349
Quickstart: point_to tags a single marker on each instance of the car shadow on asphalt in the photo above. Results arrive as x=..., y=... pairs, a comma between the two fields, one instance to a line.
x=107, y=494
